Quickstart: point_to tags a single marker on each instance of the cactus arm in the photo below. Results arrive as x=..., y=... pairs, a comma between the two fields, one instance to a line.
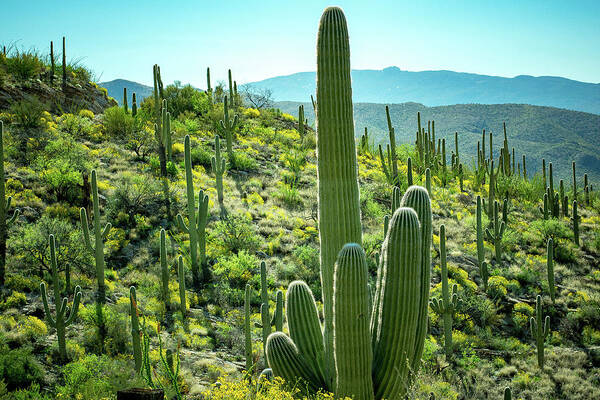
x=181, y=224
x=14, y=217
x=86, y=229
x=74, y=307
x=49, y=318
x=546, y=326
x=304, y=326
x=106, y=230
x=285, y=361
x=352, y=341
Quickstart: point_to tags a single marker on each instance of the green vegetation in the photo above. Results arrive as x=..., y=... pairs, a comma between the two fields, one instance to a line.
x=304, y=271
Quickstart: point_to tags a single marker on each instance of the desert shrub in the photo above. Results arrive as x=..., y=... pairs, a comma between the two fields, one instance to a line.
x=183, y=99
x=117, y=123
x=239, y=389
x=16, y=299
x=235, y=233
x=24, y=64
x=31, y=393
x=79, y=126
x=243, y=162
x=135, y=194
x=97, y=377
x=201, y=155
x=19, y=368
x=238, y=269
x=288, y=194
x=117, y=336
x=31, y=248
x=27, y=121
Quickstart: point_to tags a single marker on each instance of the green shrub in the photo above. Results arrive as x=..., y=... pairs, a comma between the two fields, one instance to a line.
x=24, y=64
x=235, y=233
x=117, y=123
x=238, y=269
x=31, y=393
x=97, y=377
x=19, y=368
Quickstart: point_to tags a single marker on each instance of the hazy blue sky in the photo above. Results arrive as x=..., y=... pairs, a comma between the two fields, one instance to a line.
x=265, y=38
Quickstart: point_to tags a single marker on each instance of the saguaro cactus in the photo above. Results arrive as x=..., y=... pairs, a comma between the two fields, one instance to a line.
x=445, y=306
x=247, y=332
x=5, y=222
x=164, y=271
x=64, y=317
x=136, y=333
x=575, y=219
x=496, y=236
x=125, y=100
x=219, y=168
x=483, y=270
x=64, y=63
x=539, y=330
x=133, y=105
x=52, y=64
x=97, y=246
x=181, y=277
x=227, y=126
x=197, y=220
x=336, y=155
x=550, y=267
x=352, y=344
x=209, y=91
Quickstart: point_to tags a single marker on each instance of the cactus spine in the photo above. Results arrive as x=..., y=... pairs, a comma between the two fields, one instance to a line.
x=5, y=222
x=197, y=220
x=483, y=270
x=447, y=305
x=539, y=330
x=550, y=265
x=135, y=329
x=64, y=316
x=219, y=168
x=496, y=236
x=336, y=155
x=227, y=126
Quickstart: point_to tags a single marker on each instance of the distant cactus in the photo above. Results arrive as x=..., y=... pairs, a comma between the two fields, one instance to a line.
x=166, y=135
x=495, y=236
x=97, y=246
x=164, y=272
x=181, y=277
x=301, y=129
x=544, y=209
x=460, y=177
x=133, y=105
x=428, y=181
x=488, y=207
x=483, y=270
x=64, y=64
x=574, y=182
x=219, y=168
x=52, y=64
x=524, y=169
x=64, y=316
x=575, y=219
x=135, y=329
x=125, y=101
x=159, y=136
x=446, y=306
x=209, y=91
x=540, y=328
x=409, y=171
x=550, y=267
x=5, y=221
x=227, y=126
x=197, y=220
x=247, y=332
x=231, y=95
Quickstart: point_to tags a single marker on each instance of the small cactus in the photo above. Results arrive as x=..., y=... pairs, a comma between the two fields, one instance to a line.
x=495, y=236
x=540, y=328
x=575, y=219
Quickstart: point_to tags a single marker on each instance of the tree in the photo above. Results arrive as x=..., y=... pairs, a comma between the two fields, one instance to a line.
x=258, y=97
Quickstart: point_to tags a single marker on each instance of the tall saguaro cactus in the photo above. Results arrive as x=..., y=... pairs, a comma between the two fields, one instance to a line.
x=550, y=267
x=136, y=333
x=495, y=236
x=209, y=91
x=540, y=328
x=64, y=64
x=219, y=167
x=164, y=271
x=97, y=246
x=197, y=220
x=391, y=343
x=64, y=316
x=336, y=155
x=228, y=125
x=448, y=303
x=5, y=221
x=483, y=270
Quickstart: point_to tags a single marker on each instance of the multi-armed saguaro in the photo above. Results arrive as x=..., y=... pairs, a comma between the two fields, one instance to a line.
x=361, y=353
x=197, y=220
x=64, y=317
